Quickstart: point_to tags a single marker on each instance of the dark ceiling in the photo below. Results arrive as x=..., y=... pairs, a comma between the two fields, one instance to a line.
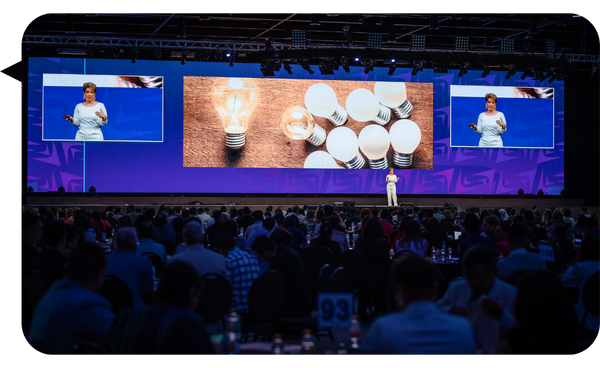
x=247, y=33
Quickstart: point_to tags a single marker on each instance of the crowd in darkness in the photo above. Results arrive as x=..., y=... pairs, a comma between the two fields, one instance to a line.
x=503, y=296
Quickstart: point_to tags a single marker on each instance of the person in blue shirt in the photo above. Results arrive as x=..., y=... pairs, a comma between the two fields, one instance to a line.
x=71, y=313
x=145, y=231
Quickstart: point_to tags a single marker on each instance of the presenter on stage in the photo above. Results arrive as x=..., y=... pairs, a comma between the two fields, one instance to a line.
x=90, y=116
x=391, y=188
x=491, y=124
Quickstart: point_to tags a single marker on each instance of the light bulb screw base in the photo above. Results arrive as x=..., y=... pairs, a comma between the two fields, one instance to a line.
x=318, y=136
x=339, y=116
x=357, y=162
x=379, y=163
x=403, y=111
x=403, y=160
x=384, y=116
x=235, y=140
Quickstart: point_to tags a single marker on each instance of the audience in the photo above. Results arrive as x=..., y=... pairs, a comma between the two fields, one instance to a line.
x=71, y=313
x=203, y=260
x=419, y=328
x=412, y=239
x=145, y=232
x=519, y=258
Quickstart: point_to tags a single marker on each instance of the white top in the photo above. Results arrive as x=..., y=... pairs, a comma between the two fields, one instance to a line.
x=89, y=124
x=391, y=180
x=490, y=130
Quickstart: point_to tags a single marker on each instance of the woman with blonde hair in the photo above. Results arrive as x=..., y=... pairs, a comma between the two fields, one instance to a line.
x=491, y=124
x=90, y=116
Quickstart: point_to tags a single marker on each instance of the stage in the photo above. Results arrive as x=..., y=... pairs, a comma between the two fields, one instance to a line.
x=256, y=202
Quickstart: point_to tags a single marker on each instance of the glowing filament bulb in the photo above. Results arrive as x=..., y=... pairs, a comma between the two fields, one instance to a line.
x=405, y=136
x=342, y=144
x=362, y=105
x=321, y=100
x=235, y=99
x=393, y=95
x=298, y=124
x=374, y=142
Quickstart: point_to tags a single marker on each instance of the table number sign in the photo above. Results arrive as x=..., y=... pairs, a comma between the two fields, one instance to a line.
x=547, y=253
x=335, y=310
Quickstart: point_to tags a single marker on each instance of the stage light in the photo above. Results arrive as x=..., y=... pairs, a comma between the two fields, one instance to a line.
x=326, y=67
x=219, y=55
x=392, y=67
x=417, y=67
x=486, y=71
x=116, y=52
x=344, y=61
x=464, y=69
x=374, y=142
x=298, y=124
x=320, y=160
x=287, y=68
x=511, y=71
x=461, y=43
x=347, y=38
x=540, y=193
x=539, y=74
x=306, y=67
x=61, y=190
x=157, y=52
x=374, y=40
x=184, y=55
x=29, y=189
x=134, y=54
x=417, y=42
x=235, y=99
x=405, y=137
x=527, y=73
x=553, y=76
x=393, y=95
x=440, y=67
x=266, y=67
x=363, y=106
x=298, y=38
x=92, y=190
x=342, y=144
x=231, y=56
x=507, y=45
x=320, y=100
x=90, y=51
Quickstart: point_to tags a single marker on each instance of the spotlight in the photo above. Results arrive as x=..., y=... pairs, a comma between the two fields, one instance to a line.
x=461, y=43
x=417, y=67
x=268, y=44
x=135, y=52
x=298, y=38
x=157, y=52
x=554, y=76
x=116, y=52
x=305, y=66
x=61, y=190
x=29, y=189
x=326, y=67
x=287, y=68
x=90, y=51
x=392, y=67
x=184, y=55
x=507, y=45
x=527, y=73
x=486, y=71
x=219, y=55
x=92, y=190
x=344, y=61
x=231, y=56
x=374, y=40
x=368, y=64
x=464, y=69
x=539, y=74
x=267, y=69
x=440, y=67
x=356, y=59
x=511, y=71
x=417, y=42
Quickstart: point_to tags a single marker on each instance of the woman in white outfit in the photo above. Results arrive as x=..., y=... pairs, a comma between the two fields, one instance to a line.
x=491, y=124
x=90, y=116
x=391, y=180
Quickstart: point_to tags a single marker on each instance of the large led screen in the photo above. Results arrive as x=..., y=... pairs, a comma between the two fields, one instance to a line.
x=198, y=155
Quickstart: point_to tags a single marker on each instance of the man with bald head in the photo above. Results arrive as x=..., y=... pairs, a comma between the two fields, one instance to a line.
x=203, y=260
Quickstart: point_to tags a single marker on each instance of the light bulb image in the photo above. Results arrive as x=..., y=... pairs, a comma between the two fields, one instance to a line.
x=342, y=144
x=297, y=123
x=235, y=99
x=393, y=95
x=321, y=100
x=405, y=136
x=362, y=105
x=374, y=142
x=320, y=160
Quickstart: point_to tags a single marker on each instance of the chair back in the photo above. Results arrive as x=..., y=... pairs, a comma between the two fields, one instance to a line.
x=354, y=264
x=266, y=297
x=321, y=285
x=514, y=277
x=117, y=293
x=169, y=247
x=312, y=263
x=157, y=262
x=337, y=281
x=590, y=296
x=35, y=286
x=215, y=299
x=326, y=256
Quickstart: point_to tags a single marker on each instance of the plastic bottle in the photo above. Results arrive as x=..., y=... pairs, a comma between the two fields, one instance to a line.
x=307, y=344
x=277, y=347
x=233, y=322
x=354, y=333
x=308, y=239
x=241, y=231
x=450, y=254
x=392, y=253
x=433, y=254
x=233, y=346
x=443, y=252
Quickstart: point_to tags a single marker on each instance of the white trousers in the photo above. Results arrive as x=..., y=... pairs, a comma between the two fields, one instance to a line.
x=391, y=194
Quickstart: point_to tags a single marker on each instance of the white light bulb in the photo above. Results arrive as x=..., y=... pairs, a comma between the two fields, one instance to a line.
x=297, y=123
x=235, y=99
x=342, y=144
x=374, y=142
x=405, y=136
x=321, y=100
x=362, y=105
x=320, y=160
x=393, y=95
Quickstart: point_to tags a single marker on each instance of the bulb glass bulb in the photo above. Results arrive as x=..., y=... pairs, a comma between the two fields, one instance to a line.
x=405, y=136
x=235, y=99
x=320, y=160
x=374, y=142
x=393, y=95
x=298, y=124
x=342, y=144
x=362, y=105
x=321, y=100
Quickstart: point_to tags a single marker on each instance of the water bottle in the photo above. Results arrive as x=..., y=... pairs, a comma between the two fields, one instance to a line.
x=450, y=254
x=443, y=252
x=392, y=253
x=277, y=347
x=241, y=231
x=353, y=227
x=354, y=334
x=308, y=239
x=233, y=329
x=348, y=239
x=433, y=254
x=233, y=346
x=307, y=342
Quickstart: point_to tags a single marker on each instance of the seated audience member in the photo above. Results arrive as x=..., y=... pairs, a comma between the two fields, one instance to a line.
x=232, y=228
x=133, y=213
x=265, y=229
x=591, y=228
x=325, y=240
x=258, y=223
x=204, y=215
x=71, y=312
x=50, y=262
x=487, y=302
x=488, y=227
x=336, y=234
x=298, y=238
x=97, y=221
x=387, y=223
x=501, y=247
x=246, y=220
x=567, y=216
x=546, y=320
x=170, y=326
x=519, y=219
x=310, y=222
x=419, y=327
x=145, y=231
x=519, y=258
x=242, y=268
x=412, y=239
x=133, y=269
x=90, y=234
x=471, y=225
x=289, y=263
x=579, y=274
x=203, y=260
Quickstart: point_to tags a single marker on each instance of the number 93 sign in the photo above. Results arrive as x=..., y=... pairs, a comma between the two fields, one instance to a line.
x=335, y=309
